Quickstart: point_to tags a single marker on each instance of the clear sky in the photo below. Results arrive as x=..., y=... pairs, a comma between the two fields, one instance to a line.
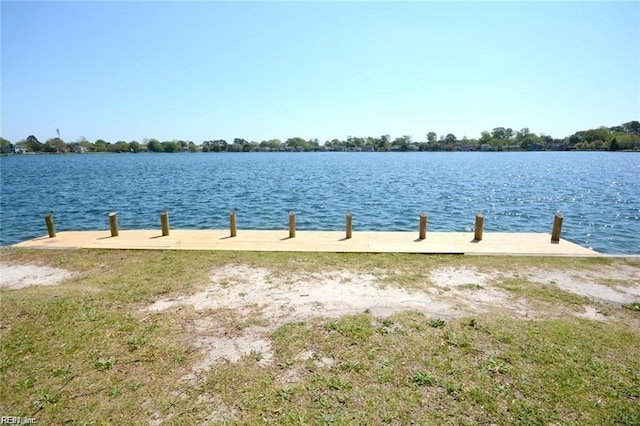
x=261, y=70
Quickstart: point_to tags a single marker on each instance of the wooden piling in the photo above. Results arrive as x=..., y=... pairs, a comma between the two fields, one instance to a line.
x=164, y=221
x=423, y=226
x=232, y=223
x=349, y=225
x=113, y=224
x=479, y=225
x=292, y=225
x=557, y=228
x=50, y=227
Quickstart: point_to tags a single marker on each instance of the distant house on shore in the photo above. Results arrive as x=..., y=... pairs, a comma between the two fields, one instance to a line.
x=13, y=149
x=558, y=147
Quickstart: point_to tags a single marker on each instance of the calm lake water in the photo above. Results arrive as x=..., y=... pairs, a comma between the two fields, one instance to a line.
x=597, y=192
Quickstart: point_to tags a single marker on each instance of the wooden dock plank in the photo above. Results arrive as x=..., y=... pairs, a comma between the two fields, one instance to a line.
x=316, y=241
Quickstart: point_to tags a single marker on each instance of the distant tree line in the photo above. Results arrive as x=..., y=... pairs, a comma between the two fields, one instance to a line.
x=623, y=137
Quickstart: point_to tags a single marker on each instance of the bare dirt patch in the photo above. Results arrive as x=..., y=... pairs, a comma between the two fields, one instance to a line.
x=592, y=313
x=266, y=300
x=598, y=285
x=251, y=292
x=14, y=277
x=472, y=290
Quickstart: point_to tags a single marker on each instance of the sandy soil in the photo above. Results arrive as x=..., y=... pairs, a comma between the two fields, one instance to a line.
x=447, y=293
x=19, y=276
x=265, y=300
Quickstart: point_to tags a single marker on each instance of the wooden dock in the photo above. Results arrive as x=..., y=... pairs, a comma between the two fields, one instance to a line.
x=494, y=243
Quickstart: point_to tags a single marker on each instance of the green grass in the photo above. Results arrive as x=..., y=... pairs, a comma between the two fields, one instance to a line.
x=505, y=372
x=85, y=351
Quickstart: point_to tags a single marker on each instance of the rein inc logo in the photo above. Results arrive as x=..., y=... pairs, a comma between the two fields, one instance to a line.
x=17, y=420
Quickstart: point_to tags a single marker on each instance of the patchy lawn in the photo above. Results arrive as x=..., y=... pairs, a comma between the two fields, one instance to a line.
x=287, y=338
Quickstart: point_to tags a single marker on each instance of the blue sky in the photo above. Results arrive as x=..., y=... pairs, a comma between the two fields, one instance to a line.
x=261, y=70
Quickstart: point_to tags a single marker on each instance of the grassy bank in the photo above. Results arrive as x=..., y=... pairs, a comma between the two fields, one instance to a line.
x=89, y=351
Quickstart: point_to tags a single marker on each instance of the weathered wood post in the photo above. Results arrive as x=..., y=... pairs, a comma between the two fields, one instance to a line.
x=113, y=224
x=479, y=224
x=557, y=228
x=423, y=226
x=50, y=228
x=349, y=224
x=164, y=221
x=292, y=225
x=232, y=223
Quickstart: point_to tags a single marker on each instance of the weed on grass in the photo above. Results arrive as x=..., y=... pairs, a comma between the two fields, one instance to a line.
x=104, y=364
x=422, y=378
x=633, y=306
x=437, y=322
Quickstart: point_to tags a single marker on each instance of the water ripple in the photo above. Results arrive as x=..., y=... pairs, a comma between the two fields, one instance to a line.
x=598, y=193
